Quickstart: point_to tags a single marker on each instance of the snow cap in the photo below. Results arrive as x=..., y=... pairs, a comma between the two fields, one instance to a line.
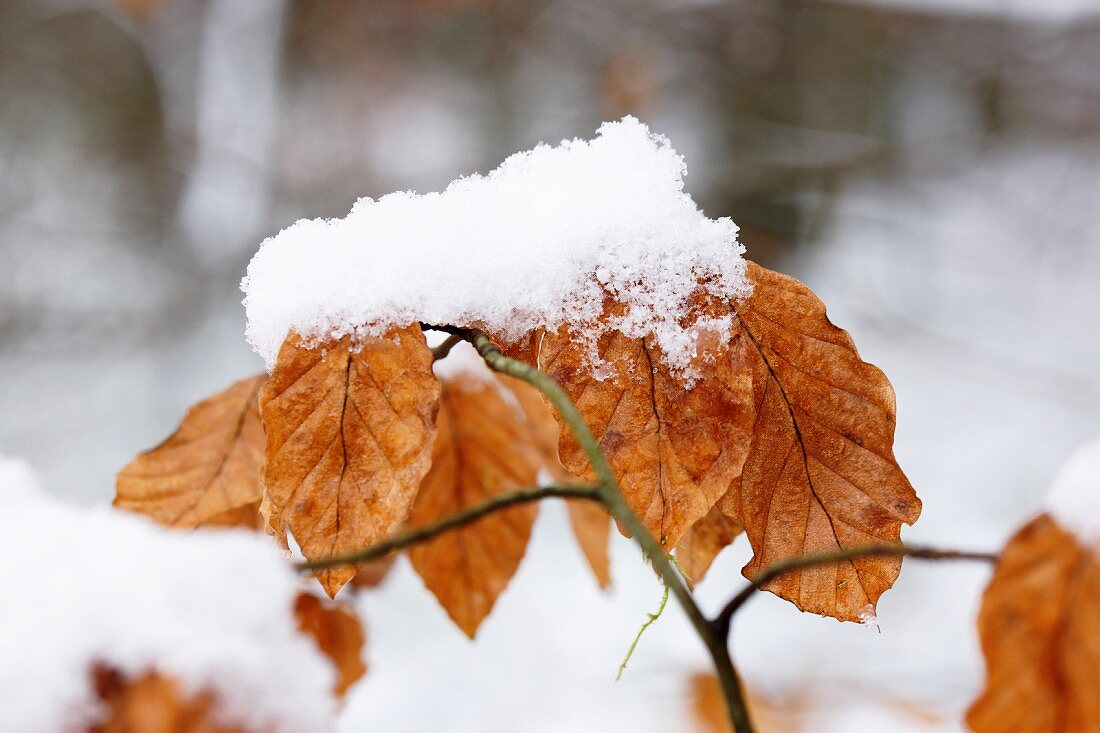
x=536, y=242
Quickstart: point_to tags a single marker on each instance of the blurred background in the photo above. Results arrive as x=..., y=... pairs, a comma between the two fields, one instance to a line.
x=930, y=167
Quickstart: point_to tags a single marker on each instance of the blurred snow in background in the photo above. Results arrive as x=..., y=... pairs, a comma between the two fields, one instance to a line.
x=933, y=171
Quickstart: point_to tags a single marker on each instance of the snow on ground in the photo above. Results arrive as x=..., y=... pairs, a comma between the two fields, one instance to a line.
x=536, y=242
x=211, y=609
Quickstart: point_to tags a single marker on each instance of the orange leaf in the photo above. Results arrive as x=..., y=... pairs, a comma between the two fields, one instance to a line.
x=208, y=471
x=350, y=431
x=1040, y=632
x=153, y=704
x=592, y=528
x=702, y=543
x=591, y=523
x=821, y=473
x=674, y=450
x=483, y=449
x=339, y=635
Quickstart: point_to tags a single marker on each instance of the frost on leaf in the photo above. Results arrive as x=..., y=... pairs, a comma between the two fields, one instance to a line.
x=208, y=471
x=702, y=543
x=590, y=521
x=350, y=432
x=1040, y=632
x=339, y=635
x=674, y=444
x=821, y=473
x=484, y=448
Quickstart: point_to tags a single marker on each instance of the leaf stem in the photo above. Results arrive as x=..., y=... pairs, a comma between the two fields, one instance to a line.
x=650, y=619
x=458, y=519
x=781, y=567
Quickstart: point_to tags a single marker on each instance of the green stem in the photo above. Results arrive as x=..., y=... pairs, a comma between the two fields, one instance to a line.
x=650, y=619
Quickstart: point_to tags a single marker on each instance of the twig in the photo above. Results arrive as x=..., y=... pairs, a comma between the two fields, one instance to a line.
x=453, y=521
x=441, y=351
x=782, y=567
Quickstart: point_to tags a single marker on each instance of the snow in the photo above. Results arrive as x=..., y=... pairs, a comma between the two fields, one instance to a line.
x=1074, y=499
x=536, y=242
x=212, y=609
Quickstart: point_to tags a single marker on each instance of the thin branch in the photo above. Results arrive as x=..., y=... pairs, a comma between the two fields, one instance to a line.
x=453, y=521
x=441, y=351
x=782, y=567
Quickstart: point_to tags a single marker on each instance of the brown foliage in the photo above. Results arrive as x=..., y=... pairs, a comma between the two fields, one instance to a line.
x=208, y=471
x=339, y=635
x=820, y=474
x=592, y=528
x=153, y=704
x=673, y=450
x=484, y=448
x=1040, y=632
x=350, y=431
x=702, y=543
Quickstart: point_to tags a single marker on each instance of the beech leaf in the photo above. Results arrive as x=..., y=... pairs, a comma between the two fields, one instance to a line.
x=821, y=473
x=350, y=431
x=339, y=635
x=208, y=471
x=1040, y=633
x=673, y=446
x=702, y=543
x=484, y=448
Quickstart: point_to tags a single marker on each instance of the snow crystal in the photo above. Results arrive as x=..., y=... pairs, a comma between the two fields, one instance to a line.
x=213, y=609
x=536, y=242
x=1074, y=499
x=869, y=619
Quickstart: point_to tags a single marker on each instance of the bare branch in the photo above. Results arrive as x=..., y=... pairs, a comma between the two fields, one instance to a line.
x=454, y=521
x=441, y=351
x=777, y=569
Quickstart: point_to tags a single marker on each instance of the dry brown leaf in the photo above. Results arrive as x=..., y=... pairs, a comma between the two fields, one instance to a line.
x=592, y=528
x=208, y=471
x=350, y=431
x=153, y=704
x=338, y=633
x=702, y=543
x=243, y=517
x=821, y=473
x=483, y=449
x=768, y=715
x=590, y=521
x=1040, y=632
x=673, y=450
